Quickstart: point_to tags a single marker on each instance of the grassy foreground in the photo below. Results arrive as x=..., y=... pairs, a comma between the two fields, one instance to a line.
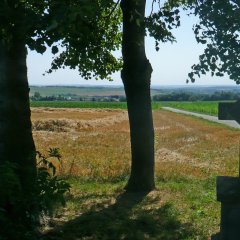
x=95, y=146
x=177, y=209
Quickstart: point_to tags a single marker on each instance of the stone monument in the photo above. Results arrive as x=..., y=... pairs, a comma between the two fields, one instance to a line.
x=228, y=188
x=229, y=111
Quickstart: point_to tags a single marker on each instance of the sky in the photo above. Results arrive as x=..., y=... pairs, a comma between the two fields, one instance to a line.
x=171, y=63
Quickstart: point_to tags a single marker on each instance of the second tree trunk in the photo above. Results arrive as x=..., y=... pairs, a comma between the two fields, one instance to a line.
x=136, y=76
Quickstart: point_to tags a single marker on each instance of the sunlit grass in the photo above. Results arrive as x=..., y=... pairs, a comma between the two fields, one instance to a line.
x=78, y=104
x=205, y=107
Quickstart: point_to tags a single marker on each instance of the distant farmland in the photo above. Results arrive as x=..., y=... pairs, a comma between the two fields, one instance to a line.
x=78, y=91
x=84, y=91
x=78, y=104
x=209, y=108
x=81, y=91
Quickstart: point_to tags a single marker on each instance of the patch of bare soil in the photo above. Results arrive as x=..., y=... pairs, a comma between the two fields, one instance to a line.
x=166, y=155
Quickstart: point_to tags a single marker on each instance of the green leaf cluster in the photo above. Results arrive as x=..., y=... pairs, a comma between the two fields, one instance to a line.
x=89, y=33
x=48, y=193
x=82, y=34
x=50, y=189
x=219, y=29
x=160, y=24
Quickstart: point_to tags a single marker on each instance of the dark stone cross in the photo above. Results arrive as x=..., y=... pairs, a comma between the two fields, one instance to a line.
x=229, y=111
x=228, y=188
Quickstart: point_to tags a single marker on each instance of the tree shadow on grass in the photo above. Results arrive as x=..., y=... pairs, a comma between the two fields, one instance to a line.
x=130, y=217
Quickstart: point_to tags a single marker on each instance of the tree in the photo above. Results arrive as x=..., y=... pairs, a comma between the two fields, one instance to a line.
x=136, y=76
x=136, y=73
x=37, y=95
x=16, y=141
x=87, y=34
x=220, y=56
x=37, y=23
x=219, y=29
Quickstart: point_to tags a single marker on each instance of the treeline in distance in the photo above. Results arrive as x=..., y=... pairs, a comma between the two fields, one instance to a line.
x=188, y=96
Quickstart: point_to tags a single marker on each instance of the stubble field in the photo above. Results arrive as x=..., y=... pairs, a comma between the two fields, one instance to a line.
x=95, y=149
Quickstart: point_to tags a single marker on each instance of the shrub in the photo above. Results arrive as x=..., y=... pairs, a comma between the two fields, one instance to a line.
x=50, y=188
x=22, y=213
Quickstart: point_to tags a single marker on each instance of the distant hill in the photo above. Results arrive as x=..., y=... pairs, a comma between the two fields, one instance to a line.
x=104, y=91
x=81, y=91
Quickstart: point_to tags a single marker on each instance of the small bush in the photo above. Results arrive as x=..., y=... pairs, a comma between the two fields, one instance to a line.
x=22, y=212
x=50, y=188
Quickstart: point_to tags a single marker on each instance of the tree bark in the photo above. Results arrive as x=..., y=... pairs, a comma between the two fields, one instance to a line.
x=136, y=77
x=16, y=141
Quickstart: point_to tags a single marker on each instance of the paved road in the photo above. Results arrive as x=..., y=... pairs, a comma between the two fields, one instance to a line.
x=229, y=123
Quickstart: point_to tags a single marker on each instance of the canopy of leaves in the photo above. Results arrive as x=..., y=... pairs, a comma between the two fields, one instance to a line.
x=89, y=34
x=160, y=22
x=86, y=30
x=219, y=28
x=23, y=18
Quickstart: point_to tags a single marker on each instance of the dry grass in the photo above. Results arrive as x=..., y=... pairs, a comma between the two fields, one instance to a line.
x=95, y=146
x=95, y=143
x=196, y=145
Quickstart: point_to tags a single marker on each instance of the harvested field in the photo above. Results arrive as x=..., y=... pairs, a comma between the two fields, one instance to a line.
x=95, y=143
x=95, y=149
x=87, y=140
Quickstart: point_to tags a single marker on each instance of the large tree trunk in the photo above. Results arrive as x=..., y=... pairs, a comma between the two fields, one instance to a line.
x=16, y=141
x=136, y=76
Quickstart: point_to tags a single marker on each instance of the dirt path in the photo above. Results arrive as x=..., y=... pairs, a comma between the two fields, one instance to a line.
x=229, y=123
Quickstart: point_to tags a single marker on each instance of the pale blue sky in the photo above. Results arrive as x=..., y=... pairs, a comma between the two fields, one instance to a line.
x=170, y=65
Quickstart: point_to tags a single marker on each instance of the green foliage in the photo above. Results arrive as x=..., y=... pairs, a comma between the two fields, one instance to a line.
x=188, y=96
x=49, y=191
x=163, y=18
x=24, y=18
x=82, y=34
x=219, y=28
x=89, y=33
x=159, y=24
x=50, y=188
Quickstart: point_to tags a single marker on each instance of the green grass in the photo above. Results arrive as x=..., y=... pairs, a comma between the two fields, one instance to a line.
x=68, y=104
x=177, y=210
x=209, y=108
x=75, y=104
